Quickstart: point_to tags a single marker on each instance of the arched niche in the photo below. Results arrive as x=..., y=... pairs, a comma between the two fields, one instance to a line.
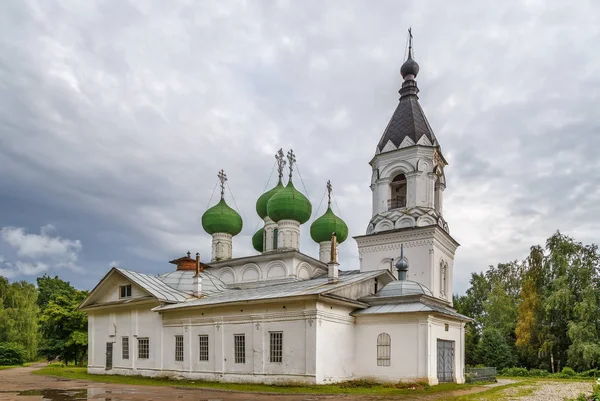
x=227, y=275
x=251, y=272
x=276, y=269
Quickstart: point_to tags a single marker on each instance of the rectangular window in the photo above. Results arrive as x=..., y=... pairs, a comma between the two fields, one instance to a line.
x=143, y=348
x=125, y=347
x=239, y=348
x=276, y=346
x=179, y=348
x=125, y=291
x=203, y=347
x=275, y=235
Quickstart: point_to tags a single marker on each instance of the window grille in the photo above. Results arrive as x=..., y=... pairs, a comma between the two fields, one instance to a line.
x=384, y=349
x=125, y=347
x=239, y=347
x=125, y=291
x=143, y=348
x=203, y=346
x=276, y=347
x=179, y=348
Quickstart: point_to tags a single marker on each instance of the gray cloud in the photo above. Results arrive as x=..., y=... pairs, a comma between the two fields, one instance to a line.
x=115, y=117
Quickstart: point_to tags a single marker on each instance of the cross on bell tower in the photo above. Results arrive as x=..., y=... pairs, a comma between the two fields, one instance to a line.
x=223, y=179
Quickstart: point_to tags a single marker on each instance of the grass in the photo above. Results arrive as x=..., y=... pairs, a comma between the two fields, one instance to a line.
x=355, y=387
x=3, y=367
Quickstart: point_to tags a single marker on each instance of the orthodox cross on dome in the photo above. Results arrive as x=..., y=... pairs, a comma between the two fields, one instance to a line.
x=223, y=178
x=280, y=157
x=291, y=160
x=329, y=189
x=410, y=38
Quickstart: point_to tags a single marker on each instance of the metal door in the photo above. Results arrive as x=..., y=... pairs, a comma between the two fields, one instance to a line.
x=445, y=361
x=109, y=355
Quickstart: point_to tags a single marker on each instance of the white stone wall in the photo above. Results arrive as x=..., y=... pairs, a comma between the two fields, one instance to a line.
x=111, y=325
x=424, y=248
x=335, y=344
x=297, y=321
x=266, y=269
x=408, y=359
x=436, y=330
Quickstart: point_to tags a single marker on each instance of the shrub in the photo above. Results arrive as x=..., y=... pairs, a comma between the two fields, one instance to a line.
x=11, y=354
x=567, y=371
x=590, y=373
x=538, y=373
x=520, y=372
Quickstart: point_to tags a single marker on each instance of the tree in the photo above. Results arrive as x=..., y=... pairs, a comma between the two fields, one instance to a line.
x=49, y=287
x=64, y=328
x=494, y=350
x=19, y=316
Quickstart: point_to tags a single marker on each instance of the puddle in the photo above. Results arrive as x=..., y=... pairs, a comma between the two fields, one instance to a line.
x=57, y=395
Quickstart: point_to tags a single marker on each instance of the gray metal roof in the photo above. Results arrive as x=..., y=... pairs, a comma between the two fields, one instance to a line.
x=314, y=286
x=409, y=307
x=154, y=286
x=401, y=288
x=183, y=280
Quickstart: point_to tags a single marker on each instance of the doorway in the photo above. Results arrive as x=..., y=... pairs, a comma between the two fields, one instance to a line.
x=445, y=361
x=109, y=356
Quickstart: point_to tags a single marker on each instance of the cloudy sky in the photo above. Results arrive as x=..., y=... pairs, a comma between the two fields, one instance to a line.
x=115, y=117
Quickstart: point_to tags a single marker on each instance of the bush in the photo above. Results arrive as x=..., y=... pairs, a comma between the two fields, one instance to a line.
x=590, y=373
x=11, y=354
x=519, y=372
x=538, y=373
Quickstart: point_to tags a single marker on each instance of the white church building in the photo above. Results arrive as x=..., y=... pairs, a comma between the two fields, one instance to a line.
x=281, y=316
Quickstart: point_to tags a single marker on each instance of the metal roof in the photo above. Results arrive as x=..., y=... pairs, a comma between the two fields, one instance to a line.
x=154, y=286
x=409, y=307
x=183, y=280
x=401, y=288
x=314, y=286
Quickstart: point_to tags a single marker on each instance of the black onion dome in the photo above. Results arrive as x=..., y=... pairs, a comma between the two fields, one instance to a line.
x=402, y=264
x=410, y=67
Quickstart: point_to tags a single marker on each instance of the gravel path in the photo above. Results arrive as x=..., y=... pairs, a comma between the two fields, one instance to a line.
x=550, y=391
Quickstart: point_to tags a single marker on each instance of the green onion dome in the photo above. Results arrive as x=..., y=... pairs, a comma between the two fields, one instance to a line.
x=222, y=219
x=261, y=203
x=322, y=228
x=289, y=204
x=258, y=240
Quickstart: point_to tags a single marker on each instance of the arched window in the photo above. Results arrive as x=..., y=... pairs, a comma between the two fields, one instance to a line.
x=384, y=349
x=397, y=192
x=275, y=235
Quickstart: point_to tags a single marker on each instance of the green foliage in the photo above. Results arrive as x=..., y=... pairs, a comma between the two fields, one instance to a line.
x=494, y=350
x=567, y=371
x=12, y=354
x=50, y=287
x=514, y=372
x=19, y=316
x=544, y=310
x=64, y=328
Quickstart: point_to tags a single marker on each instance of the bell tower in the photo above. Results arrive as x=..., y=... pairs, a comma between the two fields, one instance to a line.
x=407, y=185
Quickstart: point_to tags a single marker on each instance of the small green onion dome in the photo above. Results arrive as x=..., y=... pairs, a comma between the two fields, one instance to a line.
x=289, y=204
x=322, y=228
x=258, y=240
x=261, y=203
x=222, y=219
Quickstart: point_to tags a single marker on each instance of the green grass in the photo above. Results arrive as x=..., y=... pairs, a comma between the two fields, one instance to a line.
x=80, y=373
x=3, y=367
